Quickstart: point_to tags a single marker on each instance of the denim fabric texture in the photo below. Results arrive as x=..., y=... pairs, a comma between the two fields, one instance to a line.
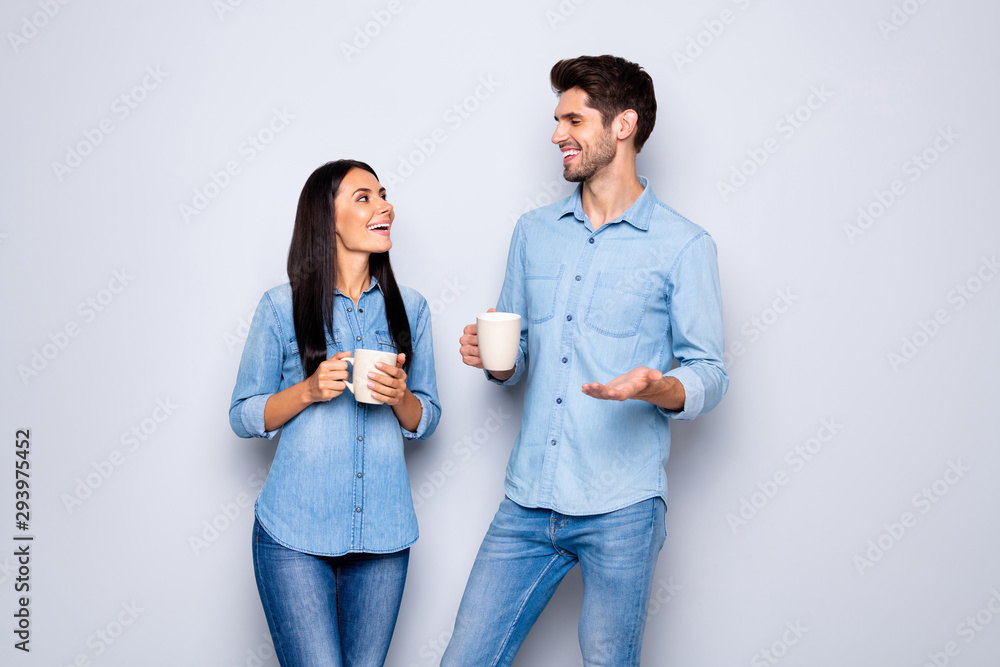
x=524, y=556
x=328, y=611
x=338, y=482
x=642, y=290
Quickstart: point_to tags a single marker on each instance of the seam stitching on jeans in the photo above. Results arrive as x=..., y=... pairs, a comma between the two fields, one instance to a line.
x=552, y=536
x=279, y=648
x=634, y=640
x=336, y=598
x=517, y=615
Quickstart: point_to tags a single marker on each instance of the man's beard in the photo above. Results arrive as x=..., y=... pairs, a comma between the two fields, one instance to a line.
x=599, y=156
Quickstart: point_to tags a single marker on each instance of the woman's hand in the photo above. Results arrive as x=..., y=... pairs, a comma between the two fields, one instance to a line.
x=329, y=380
x=389, y=388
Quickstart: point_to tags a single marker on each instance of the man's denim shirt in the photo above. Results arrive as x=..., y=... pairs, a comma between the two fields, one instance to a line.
x=338, y=483
x=643, y=290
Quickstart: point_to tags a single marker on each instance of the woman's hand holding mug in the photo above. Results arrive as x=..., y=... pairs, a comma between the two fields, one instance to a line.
x=329, y=380
x=389, y=384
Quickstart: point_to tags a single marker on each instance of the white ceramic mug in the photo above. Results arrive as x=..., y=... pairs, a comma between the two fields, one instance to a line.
x=499, y=336
x=364, y=363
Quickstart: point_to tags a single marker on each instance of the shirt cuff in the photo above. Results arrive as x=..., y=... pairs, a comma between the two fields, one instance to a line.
x=425, y=418
x=694, y=394
x=252, y=416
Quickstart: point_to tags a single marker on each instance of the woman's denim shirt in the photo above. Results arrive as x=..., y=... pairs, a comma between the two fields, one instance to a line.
x=338, y=482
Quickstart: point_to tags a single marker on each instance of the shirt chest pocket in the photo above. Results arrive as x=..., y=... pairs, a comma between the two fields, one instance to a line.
x=541, y=282
x=333, y=345
x=385, y=341
x=617, y=304
x=332, y=341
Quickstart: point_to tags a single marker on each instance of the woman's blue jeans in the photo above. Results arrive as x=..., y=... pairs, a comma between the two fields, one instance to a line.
x=524, y=556
x=328, y=611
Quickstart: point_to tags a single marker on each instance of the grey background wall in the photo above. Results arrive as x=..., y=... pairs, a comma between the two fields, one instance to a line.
x=839, y=507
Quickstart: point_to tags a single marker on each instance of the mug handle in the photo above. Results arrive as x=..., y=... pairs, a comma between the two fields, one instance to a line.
x=347, y=383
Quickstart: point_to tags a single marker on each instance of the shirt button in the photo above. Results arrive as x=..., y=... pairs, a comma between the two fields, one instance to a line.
x=357, y=509
x=349, y=309
x=558, y=400
x=358, y=339
x=361, y=310
x=579, y=278
x=569, y=318
x=591, y=240
x=359, y=475
x=360, y=438
x=564, y=360
x=553, y=443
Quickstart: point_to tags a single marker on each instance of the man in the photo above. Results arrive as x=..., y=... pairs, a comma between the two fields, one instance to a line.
x=612, y=287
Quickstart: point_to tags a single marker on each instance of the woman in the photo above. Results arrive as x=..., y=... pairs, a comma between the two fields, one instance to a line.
x=334, y=520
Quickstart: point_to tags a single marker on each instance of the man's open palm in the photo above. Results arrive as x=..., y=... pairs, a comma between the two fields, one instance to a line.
x=624, y=387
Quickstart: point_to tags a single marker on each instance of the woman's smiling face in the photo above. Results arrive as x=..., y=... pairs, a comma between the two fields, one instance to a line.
x=362, y=215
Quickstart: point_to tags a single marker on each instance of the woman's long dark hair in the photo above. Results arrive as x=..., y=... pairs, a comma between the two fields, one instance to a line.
x=312, y=269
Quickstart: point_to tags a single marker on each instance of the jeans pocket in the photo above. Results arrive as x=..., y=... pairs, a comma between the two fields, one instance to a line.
x=507, y=506
x=660, y=516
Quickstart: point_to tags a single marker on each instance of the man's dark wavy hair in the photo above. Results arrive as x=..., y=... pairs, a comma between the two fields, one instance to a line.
x=612, y=85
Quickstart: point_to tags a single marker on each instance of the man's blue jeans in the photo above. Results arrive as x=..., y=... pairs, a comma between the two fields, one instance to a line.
x=524, y=556
x=328, y=611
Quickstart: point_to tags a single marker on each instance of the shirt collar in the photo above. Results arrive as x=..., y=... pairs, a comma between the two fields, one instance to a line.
x=637, y=215
x=372, y=285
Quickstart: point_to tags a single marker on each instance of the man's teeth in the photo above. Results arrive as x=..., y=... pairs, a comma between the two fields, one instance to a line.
x=571, y=153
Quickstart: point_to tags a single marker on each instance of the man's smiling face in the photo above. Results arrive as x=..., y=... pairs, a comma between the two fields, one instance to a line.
x=587, y=146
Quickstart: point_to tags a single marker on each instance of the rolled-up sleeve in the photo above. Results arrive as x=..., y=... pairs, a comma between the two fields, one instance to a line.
x=694, y=302
x=513, y=299
x=421, y=379
x=259, y=375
